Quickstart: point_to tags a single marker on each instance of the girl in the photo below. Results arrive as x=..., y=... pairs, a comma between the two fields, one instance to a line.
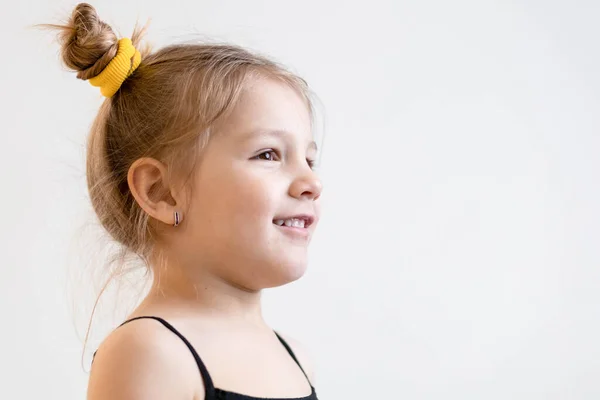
x=200, y=163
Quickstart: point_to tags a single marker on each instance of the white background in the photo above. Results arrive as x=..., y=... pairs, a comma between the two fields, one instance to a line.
x=458, y=255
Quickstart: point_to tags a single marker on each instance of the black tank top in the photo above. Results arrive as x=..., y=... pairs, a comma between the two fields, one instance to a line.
x=212, y=393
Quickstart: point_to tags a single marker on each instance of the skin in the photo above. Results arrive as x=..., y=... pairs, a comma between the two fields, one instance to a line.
x=255, y=169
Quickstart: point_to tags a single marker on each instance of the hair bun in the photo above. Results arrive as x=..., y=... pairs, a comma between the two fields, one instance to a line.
x=88, y=43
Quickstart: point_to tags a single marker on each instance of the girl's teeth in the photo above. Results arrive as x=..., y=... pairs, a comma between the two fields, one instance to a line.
x=293, y=222
x=298, y=223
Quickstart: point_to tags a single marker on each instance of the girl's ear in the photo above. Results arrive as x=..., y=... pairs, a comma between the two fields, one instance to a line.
x=148, y=181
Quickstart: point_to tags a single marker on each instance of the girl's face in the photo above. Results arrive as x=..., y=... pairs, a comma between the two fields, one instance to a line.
x=255, y=202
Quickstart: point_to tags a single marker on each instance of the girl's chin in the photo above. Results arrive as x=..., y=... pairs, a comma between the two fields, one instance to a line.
x=285, y=273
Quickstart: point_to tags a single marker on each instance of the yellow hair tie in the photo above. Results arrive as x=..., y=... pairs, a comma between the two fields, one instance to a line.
x=120, y=67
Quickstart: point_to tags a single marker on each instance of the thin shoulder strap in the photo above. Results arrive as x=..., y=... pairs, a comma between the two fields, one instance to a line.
x=208, y=383
x=289, y=350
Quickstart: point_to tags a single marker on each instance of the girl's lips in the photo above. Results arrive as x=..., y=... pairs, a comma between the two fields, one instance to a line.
x=293, y=231
x=293, y=228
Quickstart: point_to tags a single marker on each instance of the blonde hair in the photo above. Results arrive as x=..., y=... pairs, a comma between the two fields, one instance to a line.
x=164, y=110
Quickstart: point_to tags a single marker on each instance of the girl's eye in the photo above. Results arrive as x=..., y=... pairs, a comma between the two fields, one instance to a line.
x=311, y=163
x=270, y=155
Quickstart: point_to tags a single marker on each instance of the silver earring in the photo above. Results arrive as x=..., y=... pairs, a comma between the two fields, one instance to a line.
x=177, y=218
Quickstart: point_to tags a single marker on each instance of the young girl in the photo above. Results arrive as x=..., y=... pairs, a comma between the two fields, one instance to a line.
x=199, y=162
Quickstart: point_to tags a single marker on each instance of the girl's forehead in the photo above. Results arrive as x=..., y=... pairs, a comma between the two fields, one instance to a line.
x=261, y=93
x=268, y=107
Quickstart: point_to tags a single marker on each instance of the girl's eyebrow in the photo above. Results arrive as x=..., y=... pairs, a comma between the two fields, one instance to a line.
x=276, y=133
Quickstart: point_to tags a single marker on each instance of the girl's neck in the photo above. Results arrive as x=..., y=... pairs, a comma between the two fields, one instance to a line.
x=207, y=295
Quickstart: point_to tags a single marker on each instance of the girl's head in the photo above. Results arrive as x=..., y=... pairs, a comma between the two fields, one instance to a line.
x=219, y=134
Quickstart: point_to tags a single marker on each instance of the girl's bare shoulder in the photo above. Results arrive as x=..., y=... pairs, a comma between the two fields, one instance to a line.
x=303, y=355
x=144, y=360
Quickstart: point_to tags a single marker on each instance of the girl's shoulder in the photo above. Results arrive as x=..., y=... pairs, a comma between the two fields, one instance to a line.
x=303, y=354
x=142, y=360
